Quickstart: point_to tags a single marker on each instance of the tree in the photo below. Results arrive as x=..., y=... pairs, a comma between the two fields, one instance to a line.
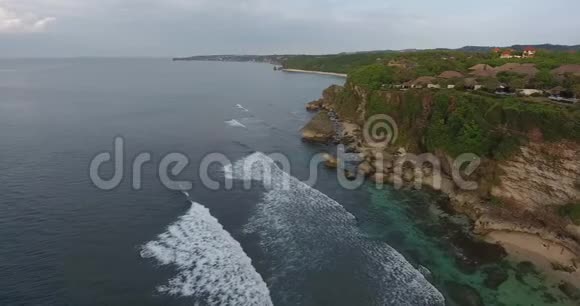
x=372, y=76
x=543, y=80
x=518, y=83
x=570, y=81
x=402, y=75
x=490, y=84
x=576, y=90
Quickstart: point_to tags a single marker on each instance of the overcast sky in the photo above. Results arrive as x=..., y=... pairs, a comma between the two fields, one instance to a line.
x=193, y=27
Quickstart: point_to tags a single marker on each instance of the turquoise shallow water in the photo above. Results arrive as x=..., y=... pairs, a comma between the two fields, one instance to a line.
x=416, y=226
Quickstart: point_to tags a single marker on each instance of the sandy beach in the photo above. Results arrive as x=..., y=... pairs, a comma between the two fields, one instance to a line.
x=342, y=75
x=542, y=253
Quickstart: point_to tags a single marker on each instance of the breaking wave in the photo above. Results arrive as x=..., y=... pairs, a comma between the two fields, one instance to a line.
x=239, y=106
x=305, y=232
x=235, y=123
x=212, y=266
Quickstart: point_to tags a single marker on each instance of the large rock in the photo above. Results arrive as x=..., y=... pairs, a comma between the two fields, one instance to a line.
x=379, y=178
x=319, y=129
x=350, y=175
x=384, y=165
x=365, y=168
x=330, y=161
x=350, y=133
x=314, y=106
x=408, y=174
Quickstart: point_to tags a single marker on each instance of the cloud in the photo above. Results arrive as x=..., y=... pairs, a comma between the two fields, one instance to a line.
x=13, y=22
x=185, y=27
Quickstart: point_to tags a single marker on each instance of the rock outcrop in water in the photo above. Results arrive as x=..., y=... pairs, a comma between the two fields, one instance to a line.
x=530, y=165
x=319, y=129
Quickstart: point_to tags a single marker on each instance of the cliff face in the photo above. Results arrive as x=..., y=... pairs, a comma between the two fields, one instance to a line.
x=541, y=174
x=530, y=153
x=520, y=165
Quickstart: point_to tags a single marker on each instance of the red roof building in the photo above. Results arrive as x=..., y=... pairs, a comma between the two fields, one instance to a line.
x=506, y=54
x=529, y=52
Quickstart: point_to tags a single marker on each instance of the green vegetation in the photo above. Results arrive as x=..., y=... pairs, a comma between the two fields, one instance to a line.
x=571, y=211
x=495, y=127
x=346, y=105
x=543, y=79
x=496, y=201
x=340, y=63
x=372, y=69
x=373, y=76
x=457, y=127
x=430, y=62
x=377, y=105
x=468, y=123
x=455, y=121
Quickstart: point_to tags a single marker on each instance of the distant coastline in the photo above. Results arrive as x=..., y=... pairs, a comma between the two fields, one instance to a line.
x=342, y=75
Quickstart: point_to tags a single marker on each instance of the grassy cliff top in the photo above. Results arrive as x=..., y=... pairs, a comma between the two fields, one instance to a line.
x=459, y=122
x=431, y=62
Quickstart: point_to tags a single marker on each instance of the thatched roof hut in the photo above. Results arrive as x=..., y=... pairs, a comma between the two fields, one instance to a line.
x=484, y=73
x=424, y=80
x=527, y=69
x=507, y=67
x=451, y=75
x=574, y=69
x=480, y=67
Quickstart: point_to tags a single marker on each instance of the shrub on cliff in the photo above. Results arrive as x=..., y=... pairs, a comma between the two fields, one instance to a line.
x=372, y=76
x=496, y=127
x=571, y=211
x=346, y=104
x=457, y=126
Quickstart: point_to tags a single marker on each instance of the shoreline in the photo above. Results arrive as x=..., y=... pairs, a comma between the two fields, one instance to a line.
x=544, y=254
x=342, y=75
x=521, y=240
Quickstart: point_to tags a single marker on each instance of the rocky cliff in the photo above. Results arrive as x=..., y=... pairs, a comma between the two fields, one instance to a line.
x=530, y=165
x=319, y=129
x=541, y=174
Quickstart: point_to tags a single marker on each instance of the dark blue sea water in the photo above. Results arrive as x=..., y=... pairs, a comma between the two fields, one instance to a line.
x=67, y=242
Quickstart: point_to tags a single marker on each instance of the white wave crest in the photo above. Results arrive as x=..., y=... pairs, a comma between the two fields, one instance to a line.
x=305, y=231
x=242, y=108
x=235, y=123
x=212, y=266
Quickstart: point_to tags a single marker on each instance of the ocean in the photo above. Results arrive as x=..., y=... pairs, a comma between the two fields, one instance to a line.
x=68, y=242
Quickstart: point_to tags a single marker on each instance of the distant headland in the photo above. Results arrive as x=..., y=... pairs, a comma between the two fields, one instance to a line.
x=278, y=59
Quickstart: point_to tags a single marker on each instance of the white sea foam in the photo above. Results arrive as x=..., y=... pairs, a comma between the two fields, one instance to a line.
x=305, y=231
x=235, y=123
x=242, y=108
x=212, y=266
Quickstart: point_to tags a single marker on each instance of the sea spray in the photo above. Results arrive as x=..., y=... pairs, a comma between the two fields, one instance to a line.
x=235, y=123
x=305, y=231
x=212, y=266
x=239, y=106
